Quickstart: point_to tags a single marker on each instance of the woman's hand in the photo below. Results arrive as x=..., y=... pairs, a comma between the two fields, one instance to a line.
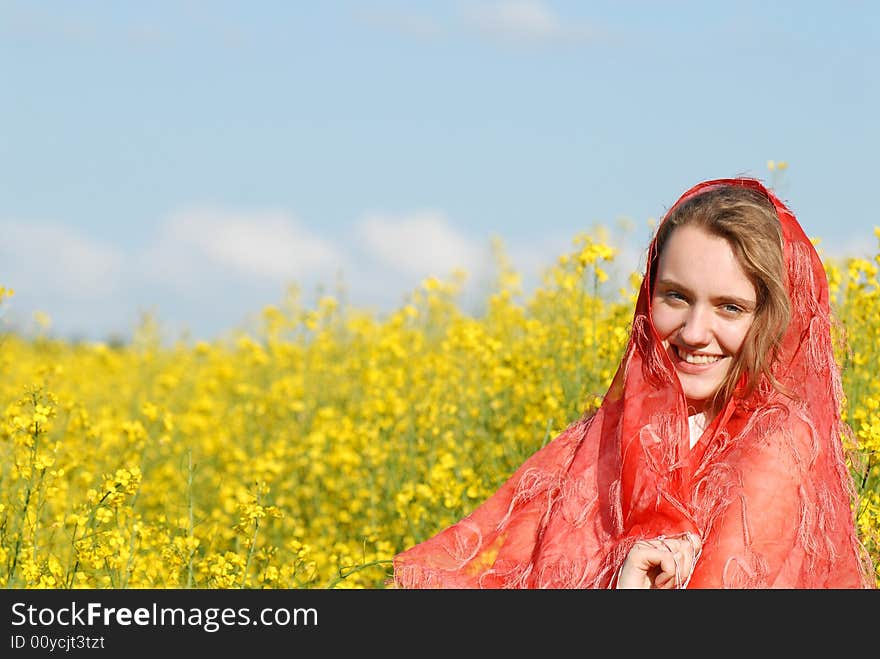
x=660, y=563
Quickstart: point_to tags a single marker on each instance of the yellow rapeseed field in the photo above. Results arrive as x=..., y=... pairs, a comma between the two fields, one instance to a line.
x=307, y=453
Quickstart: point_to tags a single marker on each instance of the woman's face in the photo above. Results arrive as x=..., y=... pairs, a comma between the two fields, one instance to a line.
x=703, y=305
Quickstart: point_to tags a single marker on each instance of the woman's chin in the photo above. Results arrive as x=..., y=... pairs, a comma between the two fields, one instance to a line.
x=698, y=397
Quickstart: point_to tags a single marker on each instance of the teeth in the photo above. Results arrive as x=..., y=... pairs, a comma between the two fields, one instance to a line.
x=697, y=359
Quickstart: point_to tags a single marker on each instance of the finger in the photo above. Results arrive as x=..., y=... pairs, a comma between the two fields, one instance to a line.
x=665, y=581
x=690, y=542
x=693, y=546
x=670, y=566
x=686, y=548
x=641, y=567
x=695, y=541
x=665, y=563
x=676, y=560
x=685, y=555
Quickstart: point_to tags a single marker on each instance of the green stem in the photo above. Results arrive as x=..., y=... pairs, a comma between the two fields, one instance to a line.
x=189, y=496
x=352, y=570
x=250, y=554
x=20, y=538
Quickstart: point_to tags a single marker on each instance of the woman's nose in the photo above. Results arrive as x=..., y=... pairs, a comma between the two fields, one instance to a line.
x=696, y=329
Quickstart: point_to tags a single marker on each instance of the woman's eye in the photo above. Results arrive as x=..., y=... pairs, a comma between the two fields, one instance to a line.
x=732, y=309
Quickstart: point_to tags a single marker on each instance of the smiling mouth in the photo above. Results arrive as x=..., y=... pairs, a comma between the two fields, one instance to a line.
x=693, y=358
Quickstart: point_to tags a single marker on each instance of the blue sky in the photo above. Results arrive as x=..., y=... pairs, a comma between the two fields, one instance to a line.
x=192, y=159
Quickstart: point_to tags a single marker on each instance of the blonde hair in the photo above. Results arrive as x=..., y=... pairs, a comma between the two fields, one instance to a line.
x=747, y=220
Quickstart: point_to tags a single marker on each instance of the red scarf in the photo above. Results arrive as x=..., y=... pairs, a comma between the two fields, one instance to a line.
x=766, y=488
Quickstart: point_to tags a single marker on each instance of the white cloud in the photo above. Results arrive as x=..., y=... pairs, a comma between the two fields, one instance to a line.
x=423, y=243
x=206, y=269
x=50, y=257
x=260, y=244
x=523, y=20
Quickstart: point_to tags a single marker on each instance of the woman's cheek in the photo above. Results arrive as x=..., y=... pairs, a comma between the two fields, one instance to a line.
x=663, y=321
x=734, y=336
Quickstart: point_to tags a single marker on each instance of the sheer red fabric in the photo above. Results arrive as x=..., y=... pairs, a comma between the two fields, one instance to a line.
x=766, y=487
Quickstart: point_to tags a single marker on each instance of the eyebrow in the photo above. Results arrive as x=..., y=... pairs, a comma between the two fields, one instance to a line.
x=741, y=301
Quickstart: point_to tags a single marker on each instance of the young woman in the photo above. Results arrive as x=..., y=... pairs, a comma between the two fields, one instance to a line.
x=715, y=459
